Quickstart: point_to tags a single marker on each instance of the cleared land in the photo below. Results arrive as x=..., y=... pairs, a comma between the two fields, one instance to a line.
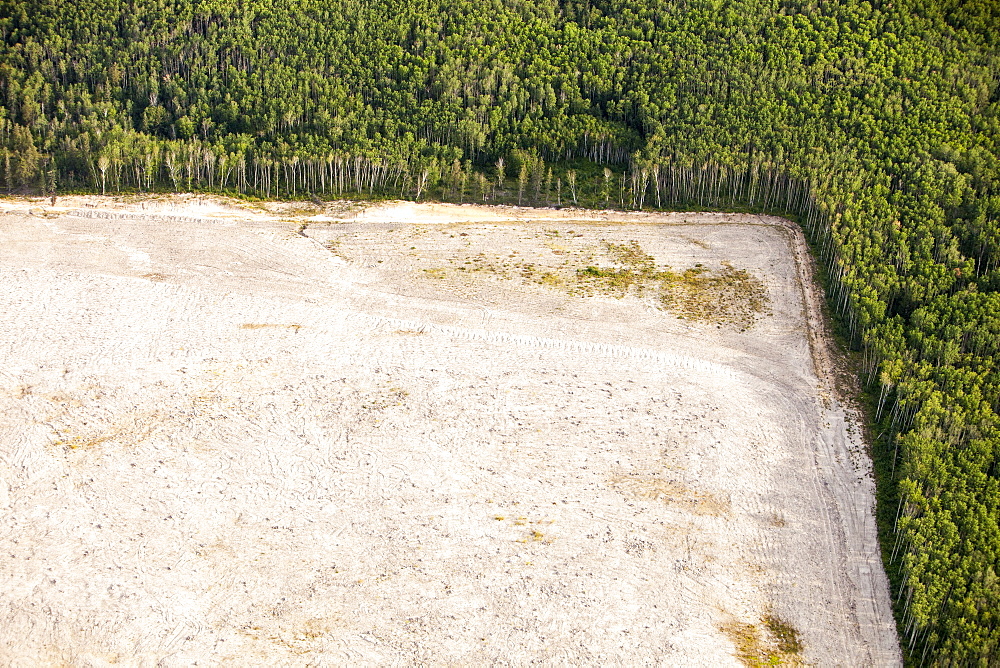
x=423, y=434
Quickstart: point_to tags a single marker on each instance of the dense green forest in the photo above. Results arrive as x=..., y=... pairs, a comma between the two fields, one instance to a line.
x=872, y=122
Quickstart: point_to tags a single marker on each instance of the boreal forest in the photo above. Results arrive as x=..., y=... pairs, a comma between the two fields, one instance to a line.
x=873, y=123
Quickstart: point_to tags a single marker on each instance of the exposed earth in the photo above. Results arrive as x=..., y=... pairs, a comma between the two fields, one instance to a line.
x=291, y=434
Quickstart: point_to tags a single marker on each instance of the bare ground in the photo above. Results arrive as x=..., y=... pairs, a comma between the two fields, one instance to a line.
x=279, y=434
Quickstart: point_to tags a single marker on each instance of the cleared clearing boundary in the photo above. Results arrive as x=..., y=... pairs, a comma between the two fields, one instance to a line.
x=373, y=434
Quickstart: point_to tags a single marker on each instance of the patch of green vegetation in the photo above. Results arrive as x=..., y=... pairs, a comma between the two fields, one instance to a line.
x=785, y=635
x=729, y=296
x=777, y=645
x=551, y=279
x=725, y=296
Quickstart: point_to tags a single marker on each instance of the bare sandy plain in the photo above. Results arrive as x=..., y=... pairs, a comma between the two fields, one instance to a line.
x=421, y=434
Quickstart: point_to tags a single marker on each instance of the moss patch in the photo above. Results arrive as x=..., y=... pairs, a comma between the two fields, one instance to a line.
x=722, y=296
x=776, y=644
x=727, y=296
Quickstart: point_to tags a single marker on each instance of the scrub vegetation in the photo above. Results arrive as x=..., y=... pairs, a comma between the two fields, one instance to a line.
x=777, y=644
x=724, y=296
x=731, y=296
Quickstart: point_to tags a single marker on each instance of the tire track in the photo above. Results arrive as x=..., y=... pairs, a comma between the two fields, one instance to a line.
x=569, y=346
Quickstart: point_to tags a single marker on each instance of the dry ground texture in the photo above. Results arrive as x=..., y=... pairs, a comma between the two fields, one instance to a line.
x=423, y=434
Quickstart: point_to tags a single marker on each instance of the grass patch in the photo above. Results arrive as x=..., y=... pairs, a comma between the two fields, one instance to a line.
x=550, y=279
x=776, y=644
x=722, y=296
x=728, y=296
x=784, y=634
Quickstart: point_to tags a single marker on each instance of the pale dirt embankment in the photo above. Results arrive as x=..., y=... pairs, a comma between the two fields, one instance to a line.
x=422, y=434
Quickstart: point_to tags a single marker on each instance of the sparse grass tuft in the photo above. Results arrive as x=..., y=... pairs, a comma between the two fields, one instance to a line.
x=785, y=635
x=730, y=296
x=672, y=493
x=379, y=400
x=777, y=645
x=749, y=649
x=550, y=279
x=76, y=442
x=725, y=296
x=333, y=245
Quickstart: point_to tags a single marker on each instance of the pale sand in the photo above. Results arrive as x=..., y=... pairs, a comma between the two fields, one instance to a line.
x=225, y=441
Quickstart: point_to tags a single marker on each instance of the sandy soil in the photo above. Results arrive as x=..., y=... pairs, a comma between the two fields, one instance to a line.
x=285, y=435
